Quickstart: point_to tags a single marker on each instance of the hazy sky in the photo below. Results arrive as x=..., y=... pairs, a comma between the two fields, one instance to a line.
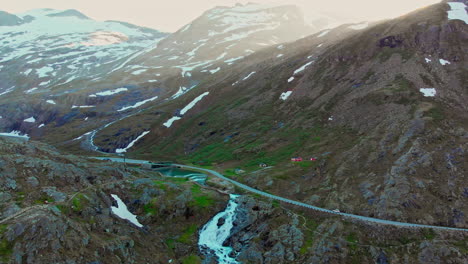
x=170, y=15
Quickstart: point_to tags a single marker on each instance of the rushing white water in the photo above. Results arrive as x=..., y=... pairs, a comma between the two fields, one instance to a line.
x=212, y=237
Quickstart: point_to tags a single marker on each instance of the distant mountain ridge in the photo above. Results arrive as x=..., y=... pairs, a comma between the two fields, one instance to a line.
x=53, y=65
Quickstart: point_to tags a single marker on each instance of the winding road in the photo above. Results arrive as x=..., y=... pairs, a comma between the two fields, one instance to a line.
x=304, y=205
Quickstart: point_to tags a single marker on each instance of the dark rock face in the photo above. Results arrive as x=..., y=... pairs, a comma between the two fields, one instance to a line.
x=382, y=259
x=253, y=221
x=7, y=19
x=69, y=13
x=221, y=221
x=390, y=41
x=56, y=208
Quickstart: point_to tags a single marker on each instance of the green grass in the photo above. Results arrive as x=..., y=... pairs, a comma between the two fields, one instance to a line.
x=3, y=229
x=6, y=249
x=216, y=152
x=44, y=197
x=436, y=114
x=308, y=236
x=192, y=259
x=79, y=202
x=429, y=234
x=20, y=196
x=199, y=199
x=202, y=201
x=352, y=240
x=275, y=203
x=462, y=245
x=150, y=208
x=196, y=189
x=63, y=208
x=307, y=164
x=307, y=244
x=405, y=240
x=161, y=185
x=229, y=172
x=170, y=243
x=402, y=83
x=188, y=234
x=250, y=153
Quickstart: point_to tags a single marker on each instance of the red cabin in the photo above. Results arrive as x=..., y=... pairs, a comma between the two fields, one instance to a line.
x=313, y=159
x=296, y=159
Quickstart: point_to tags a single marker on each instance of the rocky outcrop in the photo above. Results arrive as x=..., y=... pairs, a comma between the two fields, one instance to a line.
x=256, y=237
x=56, y=208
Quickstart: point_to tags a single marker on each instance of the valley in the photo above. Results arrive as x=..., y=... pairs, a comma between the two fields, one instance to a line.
x=274, y=140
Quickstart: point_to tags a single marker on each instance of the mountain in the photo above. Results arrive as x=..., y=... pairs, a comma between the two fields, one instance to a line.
x=376, y=111
x=103, y=71
x=53, y=200
x=61, y=208
x=7, y=19
x=57, y=47
x=223, y=35
x=381, y=109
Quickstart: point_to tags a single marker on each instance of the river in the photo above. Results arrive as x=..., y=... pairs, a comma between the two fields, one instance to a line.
x=215, y=233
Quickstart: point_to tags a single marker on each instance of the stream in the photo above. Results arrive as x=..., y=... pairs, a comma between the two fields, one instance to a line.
x=215, y=232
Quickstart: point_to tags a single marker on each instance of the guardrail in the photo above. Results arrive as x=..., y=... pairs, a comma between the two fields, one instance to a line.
x=308, y=206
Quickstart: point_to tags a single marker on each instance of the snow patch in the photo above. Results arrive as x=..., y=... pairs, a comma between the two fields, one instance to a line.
x=43, y=72
x=428, y=92
x=169, y=122
x=182, y=90
x=185, y=109
x=279, y=55
x=248, y=76
x=30, y=90
x=185, y=28
x=457, y=11
x=291, y=79
x=138, y=104
x=15, y=133
x=82, y=106
x=323, y=33
x=41, y=125
x=30, y=120
x=444, y=62
x=359, y=26
x=303, y=67
x=232, y=60
x=192, y=104
x=221, y=56
x=285, y=95
x=215, y=70
x=8, y=90
x=122, y=211
x=137, y=72
x=427, y=60
x=85, y=134
x=131, y=143
x=109, y=92
x=51, y=102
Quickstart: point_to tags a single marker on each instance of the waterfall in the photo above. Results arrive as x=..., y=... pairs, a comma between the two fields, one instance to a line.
x=213, y=236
